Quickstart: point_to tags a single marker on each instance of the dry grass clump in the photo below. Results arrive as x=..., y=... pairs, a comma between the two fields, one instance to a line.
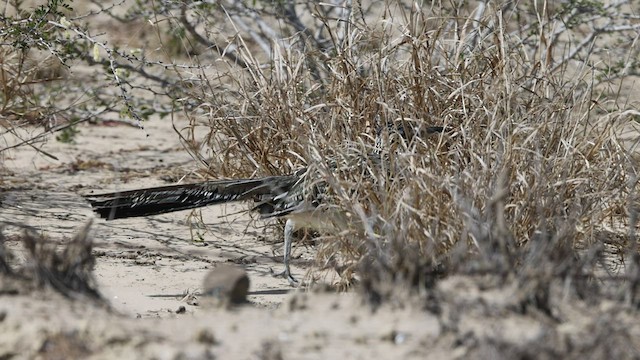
x=526, y=172
x=68, y=272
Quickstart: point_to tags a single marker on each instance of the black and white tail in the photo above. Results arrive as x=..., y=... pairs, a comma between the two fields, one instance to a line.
x=267, y=191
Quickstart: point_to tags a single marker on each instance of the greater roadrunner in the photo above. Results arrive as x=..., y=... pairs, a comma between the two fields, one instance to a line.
x=289, y=196
x=274, y=196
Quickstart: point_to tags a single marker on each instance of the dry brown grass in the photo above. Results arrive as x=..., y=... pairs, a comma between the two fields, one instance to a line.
x=528, y=171
x=68, y=272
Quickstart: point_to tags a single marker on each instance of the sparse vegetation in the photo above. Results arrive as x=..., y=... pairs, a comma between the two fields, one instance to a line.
x=513, y=228
x=527, y=181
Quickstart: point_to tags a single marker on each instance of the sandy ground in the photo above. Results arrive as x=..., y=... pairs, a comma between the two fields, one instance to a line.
x=48, y=195
x=144, y=267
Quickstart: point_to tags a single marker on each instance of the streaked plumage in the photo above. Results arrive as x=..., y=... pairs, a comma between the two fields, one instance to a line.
x=273, y=196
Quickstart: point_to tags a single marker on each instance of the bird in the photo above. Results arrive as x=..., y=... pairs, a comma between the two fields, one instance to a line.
x=280, y=196
x=297, y=197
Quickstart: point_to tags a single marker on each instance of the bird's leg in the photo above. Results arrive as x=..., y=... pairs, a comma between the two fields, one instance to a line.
x=289, y=228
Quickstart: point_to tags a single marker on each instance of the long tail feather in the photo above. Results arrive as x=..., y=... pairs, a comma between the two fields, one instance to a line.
x=164, y=199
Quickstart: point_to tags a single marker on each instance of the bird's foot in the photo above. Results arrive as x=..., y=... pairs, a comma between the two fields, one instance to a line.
x=287, y=275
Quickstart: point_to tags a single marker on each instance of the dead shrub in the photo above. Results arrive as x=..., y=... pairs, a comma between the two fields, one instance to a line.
x=528, y=167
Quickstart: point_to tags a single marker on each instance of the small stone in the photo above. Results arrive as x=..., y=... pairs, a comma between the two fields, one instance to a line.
x=226, y=285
